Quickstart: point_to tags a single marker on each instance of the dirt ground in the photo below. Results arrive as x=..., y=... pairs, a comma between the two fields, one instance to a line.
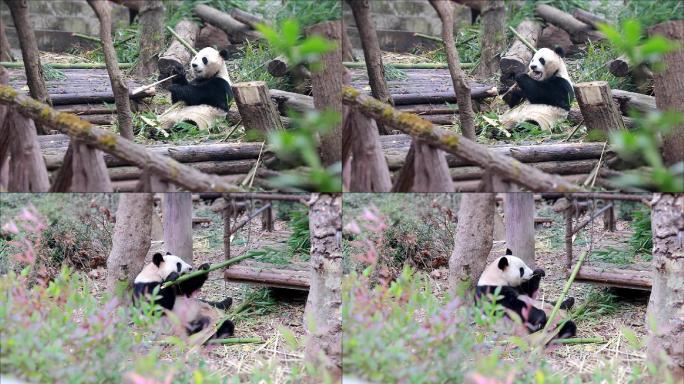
x=287, y=312
x=629, y=307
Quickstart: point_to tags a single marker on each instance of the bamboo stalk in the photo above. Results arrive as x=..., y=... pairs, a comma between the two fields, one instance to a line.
x=205, y=271
x=522, y=39
x=145, y=87
x=433, y=38
x=361, y=64
x=556, y=307
x=181, y=40
x=580, y=340
x=237, y=340
x=86, y=37
x=20, y=64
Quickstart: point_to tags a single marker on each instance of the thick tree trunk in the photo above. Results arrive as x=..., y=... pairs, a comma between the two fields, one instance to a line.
x=472, y=241
x=323, y=304
x=177, y=221
x=177, y=56
x=326, y=86
x=425, y=170
x=5, y=52
x=257, y=111
x=493, y=37
x=371, y=53
x=347, y=54
x=669, y=88
x=369, y=171
x=4, y=136
x=119, y=88
x=89, y=170
x=291, y=101
x=599, y=111
x=445, y=10
x=631, y=100
x=519, y=218
x=151, y=37
x=27, y=171
x=666, y=303
x=519, y=55
x=131, y=239
x=29, y=53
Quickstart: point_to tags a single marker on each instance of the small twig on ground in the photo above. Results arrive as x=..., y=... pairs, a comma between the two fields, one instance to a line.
x=236, y=340
x=574, y=130
x=580, y=340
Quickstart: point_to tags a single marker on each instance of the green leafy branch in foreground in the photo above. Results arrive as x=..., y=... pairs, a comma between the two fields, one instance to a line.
x=644, y=140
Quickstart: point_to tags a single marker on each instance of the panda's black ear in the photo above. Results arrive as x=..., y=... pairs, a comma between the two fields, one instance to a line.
x=559, y=51
x=224, y=54
x=503, y=263
x=157, y=259
x=168, y=253
x=508, y=251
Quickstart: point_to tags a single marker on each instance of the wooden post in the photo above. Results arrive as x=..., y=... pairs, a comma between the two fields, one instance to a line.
x=27, y=168
x=517, y=57
x=267, y=220
x=609, y=219
x=29, y=53
x=596, y=103
x=119, y=88
x=371, y=53
x=326, y=87
x=519, y=220
x=177, y=222
x=369, y=172
x=254, y=103
x=89, y=172
x=150, y=182
x=177, y=56
x=425, y=170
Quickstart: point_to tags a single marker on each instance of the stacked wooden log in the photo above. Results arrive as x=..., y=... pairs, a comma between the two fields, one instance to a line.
x=238, y=25
x=573, y=161
x=231, y=159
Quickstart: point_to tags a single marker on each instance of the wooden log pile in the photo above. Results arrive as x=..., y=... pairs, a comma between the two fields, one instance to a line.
x=291, y=276
x=237, y=30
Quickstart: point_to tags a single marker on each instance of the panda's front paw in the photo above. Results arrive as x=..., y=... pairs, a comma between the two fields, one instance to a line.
x=204, y=266
x=539, y=272
x=522, y=77
x=173, y=276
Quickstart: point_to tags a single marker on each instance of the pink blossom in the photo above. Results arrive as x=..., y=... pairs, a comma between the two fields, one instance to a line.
x=10, y=227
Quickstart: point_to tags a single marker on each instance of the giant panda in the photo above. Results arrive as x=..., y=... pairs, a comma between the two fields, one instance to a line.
x=206, y=97
x=545, y=91
x=519, y=286
x=194, y=314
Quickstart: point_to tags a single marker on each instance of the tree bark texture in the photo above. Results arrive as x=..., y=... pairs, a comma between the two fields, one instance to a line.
x=323, y=304
x=493, y=37
x=369, y=172
x=519, y=220
x=669, y=88
x=666, y=304
x=27, y=172
x=257, y=111
x=326, y=86
x=456, y=144
x=445, y=10
x=62, y=178
x=131, y=239
x=588, y=18
x=177, y=56
x=579, y=31
x=151, y=37
x=119, y=88
x=425, y=170
x=517, y=57
x=4, y=136
x=237, y=32
x=177, y=221
x=181, y=174
x=29, y=53
x=5, y=52
x=371, y=53
x=596, y=103
x=472, y=241
x=89, y=171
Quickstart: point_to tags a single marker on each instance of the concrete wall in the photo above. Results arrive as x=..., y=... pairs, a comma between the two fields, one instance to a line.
x=61, y=15
x=404, y=15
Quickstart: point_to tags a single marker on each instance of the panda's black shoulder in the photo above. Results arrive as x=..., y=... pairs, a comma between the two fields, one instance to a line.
x=211, y=82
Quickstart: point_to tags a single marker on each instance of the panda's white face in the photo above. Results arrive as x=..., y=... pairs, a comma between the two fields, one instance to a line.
x=546, y=63
x=173, y=263
x=506, y=270
x=207, y=63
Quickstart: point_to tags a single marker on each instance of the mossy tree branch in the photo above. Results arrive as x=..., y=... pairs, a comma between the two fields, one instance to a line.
x=451, y=142
x=136, y=154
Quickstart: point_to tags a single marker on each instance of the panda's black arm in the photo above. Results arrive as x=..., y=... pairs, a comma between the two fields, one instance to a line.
x=531, y=286
x=188, y=287
x=514, y=97
x=187, y=93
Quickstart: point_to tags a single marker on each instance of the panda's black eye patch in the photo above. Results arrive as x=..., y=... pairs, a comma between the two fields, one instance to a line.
x=205, y=61
x=522, y=271
x=541, y=60
x=178, y=266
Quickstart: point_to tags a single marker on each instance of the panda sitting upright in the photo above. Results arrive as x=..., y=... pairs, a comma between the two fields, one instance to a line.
x=546, y=91
x=194, y=315
x=518, y=287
